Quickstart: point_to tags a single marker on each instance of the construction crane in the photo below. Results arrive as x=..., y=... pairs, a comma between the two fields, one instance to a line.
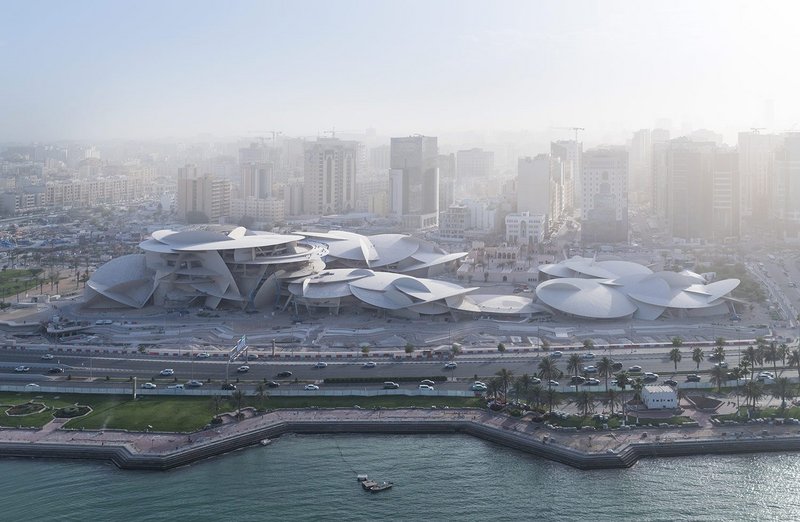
x=574, y=129
x=274, y=134
x=757, y=130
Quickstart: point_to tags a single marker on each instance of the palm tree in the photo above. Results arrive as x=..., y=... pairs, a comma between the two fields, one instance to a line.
x=492, y=387
x=585, y=403
x=675, y=356
x=588, y=344
x=744, y=367
x=753, y=391
x=455, y=348
x=783, y=390
x=751, y=356
x=545, y=345
x=505, y=377
x=637, y=386
x=718, y=353
x=623, y=380
x=719, y=342
x=761, y=346
x=409, y=348
x=771, y=355
x=238, y=398
x=698, y=356
x=718, y=376
x=605, y=368
x=738, y=372
x=613, y=399
x=794, y=360
x=553, y=398
x=783, y=352
x=501, y=347
x=574, y=366
x=522, y=386
x=261, y=393
x=535, y=395
x=548, y=370
x=677, y=342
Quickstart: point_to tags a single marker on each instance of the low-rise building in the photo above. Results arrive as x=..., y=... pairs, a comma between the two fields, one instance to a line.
x=659, y=397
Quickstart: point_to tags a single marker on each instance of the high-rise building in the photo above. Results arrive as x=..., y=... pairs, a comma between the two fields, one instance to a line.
x=786, y=183
x=202, y=198
x=474, y=164
x=257, y=179
x=725, y=195
x=702, y=198
x=543, y=187
x=756, y=164
x=570, y=153
x=535, y=187
x=659, y=139
x=604, y=212
x=447, y=180
x=414, y=181
x=330, y=176
x=640, y=165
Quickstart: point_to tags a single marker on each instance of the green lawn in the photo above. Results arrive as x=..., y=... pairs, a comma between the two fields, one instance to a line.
x=790, y=412
x=186, y=414
x=16, y=281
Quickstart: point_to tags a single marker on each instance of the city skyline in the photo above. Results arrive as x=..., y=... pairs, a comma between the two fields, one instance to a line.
x=105, y=71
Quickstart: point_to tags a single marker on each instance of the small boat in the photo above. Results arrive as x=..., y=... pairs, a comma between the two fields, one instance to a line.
x=265, y=442
x=380, y=487
x=362, y=477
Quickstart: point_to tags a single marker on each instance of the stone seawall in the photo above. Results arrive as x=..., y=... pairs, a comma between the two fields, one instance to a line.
x=130, y=450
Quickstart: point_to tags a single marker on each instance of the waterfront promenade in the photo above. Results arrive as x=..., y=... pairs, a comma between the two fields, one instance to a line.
x=580, y=449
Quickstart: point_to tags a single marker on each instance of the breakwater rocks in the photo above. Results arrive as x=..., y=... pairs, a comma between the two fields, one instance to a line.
x=596, y=450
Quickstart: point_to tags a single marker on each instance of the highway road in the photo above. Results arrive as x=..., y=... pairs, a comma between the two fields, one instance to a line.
x=147, y=368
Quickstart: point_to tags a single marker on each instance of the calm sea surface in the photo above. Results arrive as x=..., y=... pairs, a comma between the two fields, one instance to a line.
x=436, y=478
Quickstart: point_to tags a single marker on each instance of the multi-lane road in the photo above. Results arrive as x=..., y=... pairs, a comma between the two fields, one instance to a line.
x=86, y=369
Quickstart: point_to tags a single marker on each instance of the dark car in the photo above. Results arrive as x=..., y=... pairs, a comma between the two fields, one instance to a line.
x=692, y=378
x=616, y=366
x=273, y=384
x=671, y=382
x=55, y=370
x=577, y=380
x=285, y=373
x=228, y=386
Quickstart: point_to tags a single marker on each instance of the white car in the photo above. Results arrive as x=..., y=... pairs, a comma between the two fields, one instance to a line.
x=590, y=369
x=31, y=385
x=47, y=356
x=149, y=386
x=556, y=355
x=22, y=369
x=478, y=387
x=203, y=355
x=587, y=356
x=451, y=365
x=369, y=364
x=321, y=364
x=166, y=372
x=426, y=387
x=243, y=369
x=311, y=387
x=175, y=386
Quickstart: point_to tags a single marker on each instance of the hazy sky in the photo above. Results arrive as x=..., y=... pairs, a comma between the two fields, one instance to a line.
x=151, y=69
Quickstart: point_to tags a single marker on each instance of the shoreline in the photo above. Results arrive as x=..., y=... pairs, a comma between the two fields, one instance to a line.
x=606, y=449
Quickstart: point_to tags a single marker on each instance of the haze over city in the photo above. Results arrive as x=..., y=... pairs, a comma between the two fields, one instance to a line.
x=395, y=250
x=107, y=70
